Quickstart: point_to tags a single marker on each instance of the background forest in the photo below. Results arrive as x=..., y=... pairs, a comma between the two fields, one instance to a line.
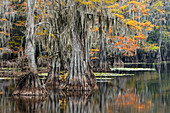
x=130, y=30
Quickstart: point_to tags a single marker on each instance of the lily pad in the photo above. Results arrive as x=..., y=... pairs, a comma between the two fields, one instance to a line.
x=133, y=69
x=147, y=63
x=6, y=78
x=43, y=74
x=103, y=81
x=4, y=68
x=104, y=78
x=111, y=74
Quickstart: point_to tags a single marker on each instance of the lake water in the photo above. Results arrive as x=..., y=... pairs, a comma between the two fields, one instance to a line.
x=146, y=92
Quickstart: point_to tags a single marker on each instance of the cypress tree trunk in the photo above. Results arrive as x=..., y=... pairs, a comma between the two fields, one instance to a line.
x=80, y=76
x=30, y=50
x=160, y=40
x=29, y=84
x=103, y=65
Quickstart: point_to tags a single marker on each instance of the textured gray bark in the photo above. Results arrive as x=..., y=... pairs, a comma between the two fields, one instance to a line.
x=30, y=84
x=30, y=47
x=160, y=39
x=80, y=75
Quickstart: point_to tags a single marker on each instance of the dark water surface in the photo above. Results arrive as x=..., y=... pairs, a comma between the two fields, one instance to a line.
x=146, y=92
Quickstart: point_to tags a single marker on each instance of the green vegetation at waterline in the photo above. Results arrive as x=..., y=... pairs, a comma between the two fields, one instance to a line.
x=104, y=78
x=107, y=76
x=133, y=69
x=43, y=74
x=111, y=74
x=146, y=63
x=6, y=78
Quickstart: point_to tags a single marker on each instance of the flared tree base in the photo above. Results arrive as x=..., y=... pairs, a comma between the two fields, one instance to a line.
x=30, y=85
x=55, y=83
x=81, y=84
x=74, y=85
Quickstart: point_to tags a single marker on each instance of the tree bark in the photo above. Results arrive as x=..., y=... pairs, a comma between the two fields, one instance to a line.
x=30, y=84
x=159, y=57
x=30, y=47
x=80, y=76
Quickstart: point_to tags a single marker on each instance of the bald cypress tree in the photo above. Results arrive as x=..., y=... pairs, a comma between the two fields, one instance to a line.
x=29, y=84
x=81, y=76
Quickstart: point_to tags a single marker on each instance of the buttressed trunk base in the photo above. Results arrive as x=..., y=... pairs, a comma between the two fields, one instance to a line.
x=80, y=76
x=30, y=85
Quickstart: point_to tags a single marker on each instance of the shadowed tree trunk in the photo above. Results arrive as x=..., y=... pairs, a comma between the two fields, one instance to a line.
x=80, y=76
x=103, y=65
x=102, y=53
x=58, y=46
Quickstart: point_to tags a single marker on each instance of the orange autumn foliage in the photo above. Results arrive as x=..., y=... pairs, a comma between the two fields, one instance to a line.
x=2, y=49
x=94, y=58
x=140, y=37
x=95, y=50
x=3, y=19
x=127, y=45
x=8, y=13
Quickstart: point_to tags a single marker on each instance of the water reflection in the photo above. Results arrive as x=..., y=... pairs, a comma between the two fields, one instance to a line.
x=145, y=92
x=119, y=98
x=57, y=102
x=29, y=104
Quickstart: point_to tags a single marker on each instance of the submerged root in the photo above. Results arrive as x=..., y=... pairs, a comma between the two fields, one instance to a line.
x=30, y=85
